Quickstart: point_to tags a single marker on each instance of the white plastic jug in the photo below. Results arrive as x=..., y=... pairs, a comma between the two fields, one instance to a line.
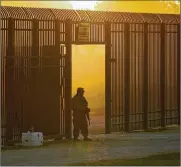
x=32, y=139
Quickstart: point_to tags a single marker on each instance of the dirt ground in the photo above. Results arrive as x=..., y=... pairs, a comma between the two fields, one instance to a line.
x=97, y=121
x=103, y=147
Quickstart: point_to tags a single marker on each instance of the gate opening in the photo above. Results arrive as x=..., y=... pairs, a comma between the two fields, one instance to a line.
x=88, y=71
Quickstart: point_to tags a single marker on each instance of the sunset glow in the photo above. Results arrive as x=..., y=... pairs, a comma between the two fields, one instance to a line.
x=88, y=5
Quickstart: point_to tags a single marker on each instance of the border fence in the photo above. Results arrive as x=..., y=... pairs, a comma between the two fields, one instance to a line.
x=142, y=53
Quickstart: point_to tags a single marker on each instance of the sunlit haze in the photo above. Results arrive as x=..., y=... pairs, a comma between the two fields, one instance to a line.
x=90, y=5
x=88, y=71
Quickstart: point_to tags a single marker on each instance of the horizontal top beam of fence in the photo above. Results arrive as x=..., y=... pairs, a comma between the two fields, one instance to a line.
x=85, y=15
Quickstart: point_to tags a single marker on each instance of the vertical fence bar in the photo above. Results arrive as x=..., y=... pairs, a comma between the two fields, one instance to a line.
x=162, y=75
x=34, y=66
x=68, y=79
x=57, y=46
x=127, y=76
x=35, y=44
x=108, y=78
x=145, y=78
x=9, y=79
x=178, y=70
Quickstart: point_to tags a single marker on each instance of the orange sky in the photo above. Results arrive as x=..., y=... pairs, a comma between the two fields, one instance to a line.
x=124, y=6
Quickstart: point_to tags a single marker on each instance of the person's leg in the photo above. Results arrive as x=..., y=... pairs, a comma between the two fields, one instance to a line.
x=76, y=129
x=76, y=132
x=85, y=132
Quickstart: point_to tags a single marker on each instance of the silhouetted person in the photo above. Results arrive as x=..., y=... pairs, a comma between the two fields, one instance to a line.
x=80, y=115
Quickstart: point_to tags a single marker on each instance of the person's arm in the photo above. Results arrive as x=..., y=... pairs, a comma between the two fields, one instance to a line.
x=88, y=109
x=87, y=114
x=88, y=117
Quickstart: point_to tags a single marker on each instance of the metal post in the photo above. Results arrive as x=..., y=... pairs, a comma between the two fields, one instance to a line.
x=107, y=78
x=145, y=78
x=34, y=71
x=162, y=75
x=57, y=47
x=68, y=79
x=9, y=79
x=178, y=71
x=35, y=41
x=127, y=76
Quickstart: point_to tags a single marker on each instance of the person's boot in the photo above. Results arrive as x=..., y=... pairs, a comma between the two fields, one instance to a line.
x=87, y=139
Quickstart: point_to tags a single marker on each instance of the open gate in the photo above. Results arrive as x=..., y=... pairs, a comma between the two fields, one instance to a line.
x=125, y=76
x=52, y=91
x=34, y=74
x=38, y=88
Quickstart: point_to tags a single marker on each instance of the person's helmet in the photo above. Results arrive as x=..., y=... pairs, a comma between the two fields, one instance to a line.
x=80, y=90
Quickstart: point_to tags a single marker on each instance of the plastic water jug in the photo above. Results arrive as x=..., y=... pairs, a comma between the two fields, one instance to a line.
x=32, y=139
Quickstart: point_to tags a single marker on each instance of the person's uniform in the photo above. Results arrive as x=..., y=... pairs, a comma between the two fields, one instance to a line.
x=80, y=107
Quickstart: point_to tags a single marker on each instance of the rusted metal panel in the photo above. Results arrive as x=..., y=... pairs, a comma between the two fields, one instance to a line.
x=62, y=90
x=127, y=76
x=9, y=77
x=22, y=82
x=34, y=98
x=117, y=77
x=162, y=76
x=68, y=80
x=4, y=44
x=136, y=68
x=154, y=74
x=145, y=78
x=171, y=71
x=49, y=93
x=108, y=112
x=178, y=71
